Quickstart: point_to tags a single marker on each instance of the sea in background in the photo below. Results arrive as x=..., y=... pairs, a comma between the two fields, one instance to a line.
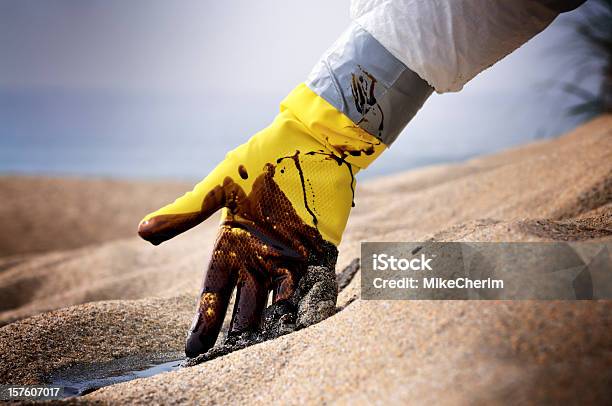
x=184, y=137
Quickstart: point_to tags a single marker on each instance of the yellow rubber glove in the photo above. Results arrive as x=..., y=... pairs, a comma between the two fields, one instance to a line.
x=286, y=196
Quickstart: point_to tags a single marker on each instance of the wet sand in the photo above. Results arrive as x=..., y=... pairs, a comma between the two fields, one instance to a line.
x=94, y=299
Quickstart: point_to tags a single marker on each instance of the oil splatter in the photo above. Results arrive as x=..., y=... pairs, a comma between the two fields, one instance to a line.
x=296, y=160
x=340, y=160
x=362, y=88
x=243, y=172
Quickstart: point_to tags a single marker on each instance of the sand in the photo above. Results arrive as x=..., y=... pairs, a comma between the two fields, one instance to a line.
x=108, y=298
x=41, y=214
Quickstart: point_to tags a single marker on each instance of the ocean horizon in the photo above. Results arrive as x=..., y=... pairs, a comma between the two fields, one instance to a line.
x=63, y=132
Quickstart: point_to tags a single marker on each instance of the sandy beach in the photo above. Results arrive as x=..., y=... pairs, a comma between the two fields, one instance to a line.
x=79, y=287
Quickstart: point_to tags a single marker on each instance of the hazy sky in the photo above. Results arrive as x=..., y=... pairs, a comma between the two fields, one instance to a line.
x=169, y=46
x=161, y=88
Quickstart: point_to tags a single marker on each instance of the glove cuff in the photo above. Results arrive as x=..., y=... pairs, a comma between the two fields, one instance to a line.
x=365, y=82
x=331, y=128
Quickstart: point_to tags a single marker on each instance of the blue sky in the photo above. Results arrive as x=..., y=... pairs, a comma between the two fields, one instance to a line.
x=163, y=89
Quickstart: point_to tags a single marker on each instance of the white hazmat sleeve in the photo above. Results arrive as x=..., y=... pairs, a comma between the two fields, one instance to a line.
x=448, y=42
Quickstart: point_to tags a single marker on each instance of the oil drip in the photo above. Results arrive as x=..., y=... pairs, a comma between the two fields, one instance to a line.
x=362, y=88
x=296, y=160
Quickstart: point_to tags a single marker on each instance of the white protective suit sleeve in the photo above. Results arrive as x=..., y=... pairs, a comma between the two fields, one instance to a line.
x=395, y=53
x=448, y=42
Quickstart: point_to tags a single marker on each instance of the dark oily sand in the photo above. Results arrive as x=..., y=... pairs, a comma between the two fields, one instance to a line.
x=313, y=301
x=79, y=380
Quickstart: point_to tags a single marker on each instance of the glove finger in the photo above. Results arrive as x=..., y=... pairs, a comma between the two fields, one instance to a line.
x=219, y=282
x=251, y=299
x=191, y=209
